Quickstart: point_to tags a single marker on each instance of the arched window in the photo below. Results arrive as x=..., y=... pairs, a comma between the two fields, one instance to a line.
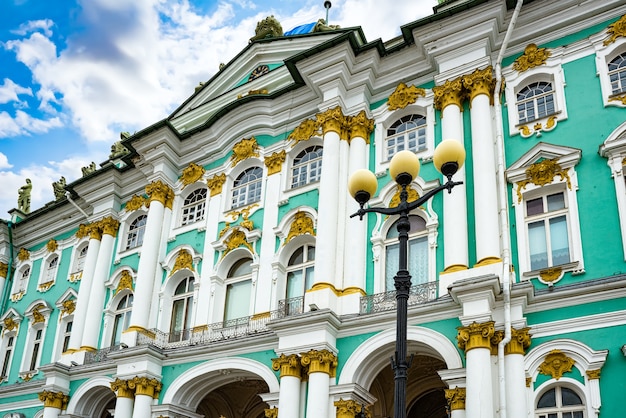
x=22, y=284
x=407, y=133
x=182, y=303
x=560, y=402
x=194, y=207
x=617, y=74
x=247, y=187
x=238, y=290
x=300, y=271
x=80, y=259
x=51, y=270
x=417, y=253
x=122, y=318
x=136, y=230
x=307, y=167
x=535, y=101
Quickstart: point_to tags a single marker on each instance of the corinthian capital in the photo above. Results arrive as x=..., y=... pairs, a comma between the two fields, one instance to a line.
x=475, y=335
x=450, y=93
x=332, y=120
x=159, y=191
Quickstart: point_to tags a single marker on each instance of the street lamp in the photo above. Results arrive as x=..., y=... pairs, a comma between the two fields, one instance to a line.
x=449, y=156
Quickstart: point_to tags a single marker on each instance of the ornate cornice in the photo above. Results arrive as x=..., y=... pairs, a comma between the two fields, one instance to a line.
x=320, y=361
x=23, y=254
x=122, y=389
x=520, y=341
x=4, y=269
x=532, y=57
x=360, y=126
x=274, y=162
x=615, y=30
x=455, y=398
x=304, y=131
x=244, y=149
x=556, y=364
x=215, y=183
x=50, y=399
x=52, y=245
x=542, y=173
x=159, y=191
x=184, y=260
x=126, y=282
x=110, y=226
x=301, y=225
x=135, y=202
x=475, y=335
x=480, y=82
x=332, y=120
x=145, y=386
x=192, y=173
x=403, y=96
x=450, y=93
x=350, y=408
x=288, y=365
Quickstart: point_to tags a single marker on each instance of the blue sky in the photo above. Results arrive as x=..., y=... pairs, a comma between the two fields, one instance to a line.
x=75, y=73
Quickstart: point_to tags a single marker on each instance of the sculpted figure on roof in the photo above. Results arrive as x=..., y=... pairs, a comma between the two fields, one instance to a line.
x=267, y=28
x=23, y=200
x=321, y=26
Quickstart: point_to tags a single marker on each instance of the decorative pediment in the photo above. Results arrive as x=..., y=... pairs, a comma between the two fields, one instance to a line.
x=38, y=311
x=10, y=320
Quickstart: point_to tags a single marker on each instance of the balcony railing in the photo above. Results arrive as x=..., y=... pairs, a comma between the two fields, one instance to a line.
x=291, y=306
x=381, y=302
x=100, y=355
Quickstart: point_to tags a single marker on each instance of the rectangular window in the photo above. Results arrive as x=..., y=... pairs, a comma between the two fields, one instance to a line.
x=548, y=232
x=7, y=358
x=238, y=300
x=36, y=347
x=66, y=336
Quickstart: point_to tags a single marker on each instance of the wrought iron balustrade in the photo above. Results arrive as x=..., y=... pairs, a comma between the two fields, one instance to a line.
x=381, y=302
x=100, y=355
x=291, y=306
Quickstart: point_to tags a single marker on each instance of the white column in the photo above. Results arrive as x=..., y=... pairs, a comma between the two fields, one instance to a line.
x=515, y=382
x=483, y=150
x=146, y=390
x=125, y=398
x=53, y=403
x=290, y=381
x=159, y=193
x=50, y=412
x=321, y=364
x=142, y=407
x=476, y=340
x=82, y=301
x=273, y=184
x=93, y=317
x=449, y=98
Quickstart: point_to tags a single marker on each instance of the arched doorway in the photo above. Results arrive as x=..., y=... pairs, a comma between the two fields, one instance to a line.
x=93, y=398
x=238, y=399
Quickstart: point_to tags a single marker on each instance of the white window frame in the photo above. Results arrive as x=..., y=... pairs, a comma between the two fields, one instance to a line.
x=604, y=55
x=614, y=149
x=559, y=410
x=127, y=230
x=567, y=158
x=292, y=153
x=57, y=350
x=78, y=263
x=48, y=273
x=111, y=313
x=202, y=204
x=237, y=188
x=189, y=296
x=306, y=165
x=33, y=328
x=384, y=118
x=6, y=335
x=550, y=72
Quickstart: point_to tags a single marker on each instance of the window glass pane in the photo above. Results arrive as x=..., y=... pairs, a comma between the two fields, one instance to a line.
x=295, y=284
x=534, y=206
x=297, y=257
x=556, y=202
x=418, y=260
x=241, y=268
x=559, y=240
x=391, y=265
x=547, y=400
x=570, y=397
x=238, y=299
x=537, y=245
x=177, y=316
x=310, y=253
x=577, y=414
x=309, y=278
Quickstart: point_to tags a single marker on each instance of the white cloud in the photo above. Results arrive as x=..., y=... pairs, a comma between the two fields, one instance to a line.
x=35, y=25
x=25, y=124
x=4, y=162
x=9, y=91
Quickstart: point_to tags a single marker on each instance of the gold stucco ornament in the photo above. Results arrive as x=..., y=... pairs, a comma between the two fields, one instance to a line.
x=184, y=260
x=215, y=183
x=349, y=408
x=304, y=131
x=126, y=282
x=68, y=307
x=450, y=93
x=38, y=316
x=23, y=255
x=456, y=398
x=192, y=173
x=542, y=173
x=556, y=364
x=360, y=126
x=135, y=202
x=403, y=96
x=236, y=239
x=9, y=324
x=4, y=269
x=244, y=149
x=302, y=224
x=274, y=162
x=332, y=120
x=271, y=413
x=412, y=196
x=52, y=246
x=615, y=30
x=532, y=57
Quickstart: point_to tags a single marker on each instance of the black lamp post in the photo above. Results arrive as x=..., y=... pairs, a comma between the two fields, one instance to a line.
x=404, y=167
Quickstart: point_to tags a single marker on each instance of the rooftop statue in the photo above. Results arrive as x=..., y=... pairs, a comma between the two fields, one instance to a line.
x=59, y=188
x=267, y=28
x=89, y=169
x=321, y=26
x=23, y=199
x=118, y=150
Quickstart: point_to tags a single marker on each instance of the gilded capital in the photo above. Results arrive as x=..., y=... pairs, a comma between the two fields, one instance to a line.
x=360, y=126
x=455, y=398
x=288, y=365
x=192, y=173
x=23, y=254
x=497, y=338
x=349, y=408
x=215, y=183
x=169, y=200
x=83, y=231
x=475, y=335
x=95, y=230
x=532, y=57
x=121, y=389
x=304, y=131
x=274, y=162
x=480, y=82
x=56, y=400
x=145, y=386
x=135, y=202
x=271, y=413
x=593, y=374
x=450, y=93
x=320, y=361
x=4, y=269
x=332, y=120
x=403, y=96
x=520, y=341
x=159, y=191
x=110, y=226
x=556, y=364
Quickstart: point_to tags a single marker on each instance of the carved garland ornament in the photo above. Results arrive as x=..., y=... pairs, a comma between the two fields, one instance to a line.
x=135, y=202
x=301, y=225
x=191, y=174
x=556, y=364
x=126, y=282
x=244, y=149
x=532, y=57
x=184, y=260
x=615, y=30
x=403, y=96
x=542, y=173
x=304, y=131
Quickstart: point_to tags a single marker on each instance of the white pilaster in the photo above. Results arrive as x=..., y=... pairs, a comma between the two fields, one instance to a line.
x=289, y=398
x=318, y=397
x=50, y=412
x=515, y=386
x=208, y=255
x=82, y=301
x=479, y=392
x=142, y=407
